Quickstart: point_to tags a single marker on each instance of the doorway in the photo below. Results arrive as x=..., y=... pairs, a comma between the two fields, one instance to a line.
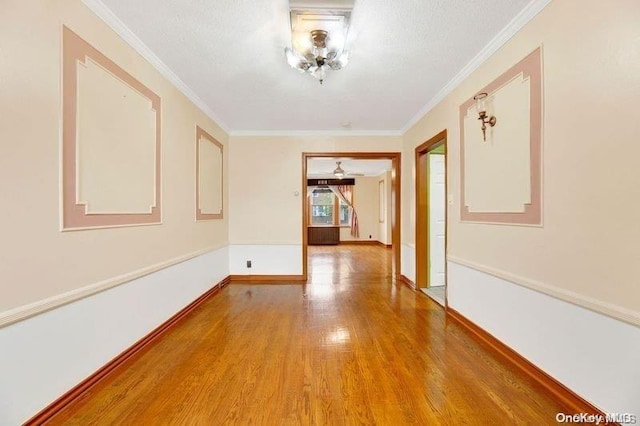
x=394, y=199
x=431, y=217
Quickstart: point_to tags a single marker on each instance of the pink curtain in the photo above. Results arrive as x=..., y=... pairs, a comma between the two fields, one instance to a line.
x=345, y=193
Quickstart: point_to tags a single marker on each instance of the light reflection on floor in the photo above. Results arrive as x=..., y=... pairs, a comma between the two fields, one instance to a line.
x=339, y=336
x=335, y=272
x=351, y=346
x=331, y=267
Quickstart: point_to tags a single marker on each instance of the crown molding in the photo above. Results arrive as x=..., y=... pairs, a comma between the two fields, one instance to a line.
x=284, y=133
x=526, y=15
x=104, y=13
x=520, y=20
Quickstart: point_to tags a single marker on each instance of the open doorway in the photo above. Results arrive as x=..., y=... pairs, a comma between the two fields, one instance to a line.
x=390, y=209
x=431, y=217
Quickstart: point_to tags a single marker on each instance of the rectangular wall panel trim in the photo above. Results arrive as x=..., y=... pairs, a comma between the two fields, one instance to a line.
x=531, y=69
x=75, y=213
x=203, y=136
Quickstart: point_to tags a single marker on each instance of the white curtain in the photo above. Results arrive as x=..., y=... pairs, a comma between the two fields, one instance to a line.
x=345, y=194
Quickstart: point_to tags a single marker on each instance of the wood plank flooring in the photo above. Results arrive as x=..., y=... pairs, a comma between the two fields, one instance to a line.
x=349, y=347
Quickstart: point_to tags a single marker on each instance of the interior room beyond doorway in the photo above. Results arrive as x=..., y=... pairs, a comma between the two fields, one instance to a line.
x=351, y=199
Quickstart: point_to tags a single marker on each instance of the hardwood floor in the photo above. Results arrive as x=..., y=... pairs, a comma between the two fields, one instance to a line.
x=350, y=347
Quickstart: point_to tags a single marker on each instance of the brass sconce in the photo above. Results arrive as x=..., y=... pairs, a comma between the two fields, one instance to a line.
x=481, y=108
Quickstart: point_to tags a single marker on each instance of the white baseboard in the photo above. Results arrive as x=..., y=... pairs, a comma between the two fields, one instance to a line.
x=265, y=259
x=44, y=356
x=592, y=354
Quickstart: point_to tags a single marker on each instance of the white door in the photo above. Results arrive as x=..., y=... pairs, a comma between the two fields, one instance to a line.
x=437, y=219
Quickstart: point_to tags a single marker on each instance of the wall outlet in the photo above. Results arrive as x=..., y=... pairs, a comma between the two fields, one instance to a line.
x=369, y=236
x=248, y=264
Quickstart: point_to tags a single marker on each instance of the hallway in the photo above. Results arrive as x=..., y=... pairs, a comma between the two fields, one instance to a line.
x=351, y=346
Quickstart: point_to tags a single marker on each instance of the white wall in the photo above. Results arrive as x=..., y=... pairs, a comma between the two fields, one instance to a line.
x=582, y=255
x=266, y=259
x=45, y=356
x=265, y=200
x=592, y=354
x=408, y=261
x=437, y=221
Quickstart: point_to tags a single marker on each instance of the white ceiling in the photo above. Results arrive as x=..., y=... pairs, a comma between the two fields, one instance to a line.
x=230, y=54
x=324, y=167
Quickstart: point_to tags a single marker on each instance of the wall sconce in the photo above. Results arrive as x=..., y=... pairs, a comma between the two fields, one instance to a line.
x=481, y=108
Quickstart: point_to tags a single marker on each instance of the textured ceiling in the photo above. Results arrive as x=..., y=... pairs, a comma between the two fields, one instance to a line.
x=230, y=53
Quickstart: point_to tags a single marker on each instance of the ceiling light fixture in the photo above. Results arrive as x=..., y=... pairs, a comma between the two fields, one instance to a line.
x=318, y=37
x=338, y=172
x=481, y=109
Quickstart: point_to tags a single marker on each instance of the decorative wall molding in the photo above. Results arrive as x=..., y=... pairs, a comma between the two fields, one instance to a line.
x=286, y=133
x=75, y=212
x=521, y=19
x=204, y=137
x=101, y=374
x=529, y=71
x=32, y=309
x=104, y=13
x=608, y=309
x=560, y=391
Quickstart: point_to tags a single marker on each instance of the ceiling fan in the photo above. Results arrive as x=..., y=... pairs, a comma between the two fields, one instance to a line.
x=340, y=173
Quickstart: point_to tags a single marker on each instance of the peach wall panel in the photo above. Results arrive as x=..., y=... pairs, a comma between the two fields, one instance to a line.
x=40, y=266
x=501, y=177
x=209, y=176
x=111, y=142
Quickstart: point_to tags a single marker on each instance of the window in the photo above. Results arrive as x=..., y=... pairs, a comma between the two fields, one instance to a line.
x=345, y=214
x=327, y=209
x=322, y=205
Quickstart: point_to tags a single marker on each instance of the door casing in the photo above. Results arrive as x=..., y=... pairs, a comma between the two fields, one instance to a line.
x=395, y=158
x=422, y=207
